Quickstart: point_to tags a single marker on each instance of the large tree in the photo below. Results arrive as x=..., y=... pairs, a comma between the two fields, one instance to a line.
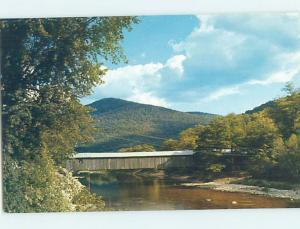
x=47, y=65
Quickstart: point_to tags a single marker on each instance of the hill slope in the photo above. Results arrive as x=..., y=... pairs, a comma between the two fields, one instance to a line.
x=124, y=123
x=261, y=107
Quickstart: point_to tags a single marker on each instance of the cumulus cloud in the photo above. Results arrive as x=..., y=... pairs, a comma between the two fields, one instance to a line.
x=288, y=69
x=208, y=47
x=138, y=83
x=147, y=98
x=249, y=55
x=175, y=63
x=277, y=77
x=223, y=92
x=236, y=52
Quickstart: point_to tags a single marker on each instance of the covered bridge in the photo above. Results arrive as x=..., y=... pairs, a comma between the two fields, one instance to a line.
x=131, y=160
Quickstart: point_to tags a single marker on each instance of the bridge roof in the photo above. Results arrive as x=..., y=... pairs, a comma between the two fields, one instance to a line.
x=135, y=154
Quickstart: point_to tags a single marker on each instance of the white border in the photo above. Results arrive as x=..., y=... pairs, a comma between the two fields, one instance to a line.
x=231, y=219
x=71, y=8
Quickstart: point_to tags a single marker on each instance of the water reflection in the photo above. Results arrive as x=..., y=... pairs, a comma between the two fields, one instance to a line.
x=123, y=192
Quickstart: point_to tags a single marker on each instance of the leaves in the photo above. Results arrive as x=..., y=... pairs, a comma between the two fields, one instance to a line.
x=47, y=66
x=139, y=148
x=263, y=142
x=125, y=124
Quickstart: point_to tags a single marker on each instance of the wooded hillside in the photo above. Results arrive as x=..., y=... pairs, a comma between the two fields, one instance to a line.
x=123, y=124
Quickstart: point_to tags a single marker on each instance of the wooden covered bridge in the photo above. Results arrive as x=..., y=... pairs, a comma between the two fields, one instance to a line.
x=131, y=160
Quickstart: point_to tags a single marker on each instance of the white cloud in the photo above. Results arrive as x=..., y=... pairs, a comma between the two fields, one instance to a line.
x=210, y=47
x=289, y=68
x=176, y=63
x=277, y=77
x=139, y=83
x=216, y=95
x=121, y=82
x=206, y=26
x=147, y=98
x=227, y=62
x=241, y=52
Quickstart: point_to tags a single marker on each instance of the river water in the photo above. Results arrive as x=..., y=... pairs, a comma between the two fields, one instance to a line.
x=139, y=193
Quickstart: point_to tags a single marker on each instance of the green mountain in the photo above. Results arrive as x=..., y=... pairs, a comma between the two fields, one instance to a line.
x=201, y=113
x=261, y=107
x=124, y=124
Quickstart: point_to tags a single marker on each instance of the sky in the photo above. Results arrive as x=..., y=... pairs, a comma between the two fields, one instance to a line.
x=219, y=63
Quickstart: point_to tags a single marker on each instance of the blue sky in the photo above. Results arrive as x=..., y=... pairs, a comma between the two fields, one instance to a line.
x=220, y=64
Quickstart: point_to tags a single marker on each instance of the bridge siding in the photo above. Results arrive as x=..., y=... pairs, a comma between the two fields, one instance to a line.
x=93, y=164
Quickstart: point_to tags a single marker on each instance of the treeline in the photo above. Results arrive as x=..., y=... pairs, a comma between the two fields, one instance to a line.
x=264, y=144
x=47, y=66
x=139, y=148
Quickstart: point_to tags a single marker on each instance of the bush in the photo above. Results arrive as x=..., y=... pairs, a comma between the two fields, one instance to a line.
x=40, y=186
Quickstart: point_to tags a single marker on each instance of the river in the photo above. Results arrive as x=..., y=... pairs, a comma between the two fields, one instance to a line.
x=140, y=193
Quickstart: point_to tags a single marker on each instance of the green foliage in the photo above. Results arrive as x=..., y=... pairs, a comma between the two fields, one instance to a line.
x=216, y=168
x=289, y=165
x=236, y=132
x=263, y=142
x=187, y=141
x=139, y=148
x=39, y=186
x=41, y=181
x=262, y=107
x=286, y=113
x=47, y=66
x=293, y=142
x=125, y=124
x=86, y=201
x=171, y=144
x=289, y=160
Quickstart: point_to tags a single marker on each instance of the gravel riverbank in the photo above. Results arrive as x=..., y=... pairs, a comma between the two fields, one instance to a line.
x=227, y=187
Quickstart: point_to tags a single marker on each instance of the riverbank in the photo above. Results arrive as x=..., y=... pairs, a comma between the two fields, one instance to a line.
x=238, y=184
x=234, y=185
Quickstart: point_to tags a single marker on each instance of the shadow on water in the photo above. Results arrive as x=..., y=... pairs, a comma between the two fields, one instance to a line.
x=125, y=191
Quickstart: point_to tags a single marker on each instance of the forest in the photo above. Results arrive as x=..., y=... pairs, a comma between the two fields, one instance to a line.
x=124, y=124
x=263, y=143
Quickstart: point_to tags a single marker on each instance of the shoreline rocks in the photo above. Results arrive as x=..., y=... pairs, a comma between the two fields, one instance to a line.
x=256, y=190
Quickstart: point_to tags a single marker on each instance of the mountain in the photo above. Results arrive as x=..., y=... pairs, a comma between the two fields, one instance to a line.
x=201, y=113
x=123, y=123
x=259, y=108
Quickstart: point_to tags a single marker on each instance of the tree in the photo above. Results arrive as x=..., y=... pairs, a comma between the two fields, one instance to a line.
x=170, y=144
x=286, y=112
x=139, y=148
x=216, y=135
x=187, y=141
x=47, y=66
x=286, y=115
x=289, y=160
x=236, y=142
x=189, y=137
